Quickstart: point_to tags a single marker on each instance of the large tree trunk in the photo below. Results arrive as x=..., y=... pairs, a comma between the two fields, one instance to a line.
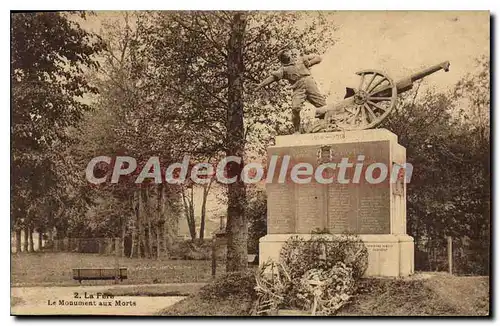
x=57, y=241
x=135, y=236
x=18, y=240
x=50, y=238
x=26, y=236
x=160, y=219
x=203, y=214
x=206, y=190
x=32, y=245
x=167, y=240
x=40, y=238
x=141, y=247
x=133, y=226
x=133, y=245
x=189, y=212
x=122, y=240
x=237, y=228
x=149, y=216
x=171, y=225
x=158, y=243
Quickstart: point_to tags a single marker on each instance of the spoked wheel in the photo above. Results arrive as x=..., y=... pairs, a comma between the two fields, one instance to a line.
x=371, y=103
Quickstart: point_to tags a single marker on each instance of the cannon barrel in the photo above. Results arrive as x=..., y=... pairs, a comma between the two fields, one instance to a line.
x=426, y=72
x=406, y=84
x=381, y=90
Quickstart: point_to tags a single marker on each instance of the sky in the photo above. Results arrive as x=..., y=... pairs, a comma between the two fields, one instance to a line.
x=399, y=43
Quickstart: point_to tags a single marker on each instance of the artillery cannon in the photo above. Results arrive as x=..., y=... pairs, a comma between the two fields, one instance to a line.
x=368, y=105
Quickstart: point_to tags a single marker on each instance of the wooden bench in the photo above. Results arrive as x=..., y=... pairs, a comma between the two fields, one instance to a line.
x=81, y=274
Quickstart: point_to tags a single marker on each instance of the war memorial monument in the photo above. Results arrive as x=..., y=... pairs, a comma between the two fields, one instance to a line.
x=376, y=211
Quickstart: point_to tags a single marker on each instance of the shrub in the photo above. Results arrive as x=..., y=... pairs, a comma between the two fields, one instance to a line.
x=472, y=257
x=237, y=284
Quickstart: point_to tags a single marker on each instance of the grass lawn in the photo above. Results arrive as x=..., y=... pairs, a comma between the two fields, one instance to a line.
x=437, y=295
x=156, y=290
x=230, y=294
x=32, y=269
x=195, y=305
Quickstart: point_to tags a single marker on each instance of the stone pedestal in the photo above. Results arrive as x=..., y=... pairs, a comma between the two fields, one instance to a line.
x=375, y=209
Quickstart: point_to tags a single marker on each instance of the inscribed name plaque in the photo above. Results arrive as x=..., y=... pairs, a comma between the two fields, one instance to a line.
x=362, y=205
x=358, y=206
x=373, y=214
x=280, y=208
x=309, y=206
x=339, y=209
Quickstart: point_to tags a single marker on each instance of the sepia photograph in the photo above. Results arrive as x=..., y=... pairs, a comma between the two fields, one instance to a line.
x=250, y=163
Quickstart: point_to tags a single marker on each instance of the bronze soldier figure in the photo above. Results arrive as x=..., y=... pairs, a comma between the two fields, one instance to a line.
x=304, y=87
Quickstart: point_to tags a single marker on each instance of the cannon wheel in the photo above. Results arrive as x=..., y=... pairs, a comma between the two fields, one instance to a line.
x=372, y=102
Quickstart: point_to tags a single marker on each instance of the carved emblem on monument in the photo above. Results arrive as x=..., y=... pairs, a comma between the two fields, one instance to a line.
x=325, y=154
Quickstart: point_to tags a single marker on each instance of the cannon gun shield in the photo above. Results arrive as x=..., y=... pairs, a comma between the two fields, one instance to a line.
x=363, y=107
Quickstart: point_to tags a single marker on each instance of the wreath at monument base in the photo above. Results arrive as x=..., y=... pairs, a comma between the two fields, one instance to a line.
x=318, y=275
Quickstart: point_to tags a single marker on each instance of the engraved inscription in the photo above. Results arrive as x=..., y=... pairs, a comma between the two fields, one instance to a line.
x=280, y=208
x=329, y=136
x=339, y=208
x=309, y=200
x=379, y=247
x=360, y=208
x=373, y=214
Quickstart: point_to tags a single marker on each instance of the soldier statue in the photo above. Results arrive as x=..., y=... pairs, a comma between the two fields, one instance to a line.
x=297, y=72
